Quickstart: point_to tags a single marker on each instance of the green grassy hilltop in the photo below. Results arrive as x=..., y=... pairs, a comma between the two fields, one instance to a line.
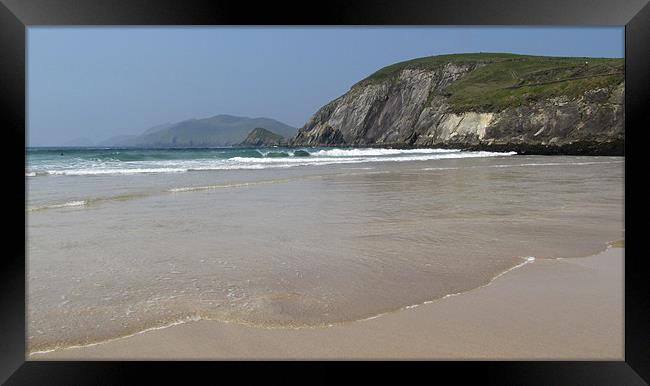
x=505, y=80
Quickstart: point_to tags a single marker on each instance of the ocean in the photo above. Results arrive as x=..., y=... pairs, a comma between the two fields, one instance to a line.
x=107, y=161
x=120, y=241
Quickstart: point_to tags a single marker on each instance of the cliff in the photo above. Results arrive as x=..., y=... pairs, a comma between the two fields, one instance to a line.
x=530, y=104
x=262, y=137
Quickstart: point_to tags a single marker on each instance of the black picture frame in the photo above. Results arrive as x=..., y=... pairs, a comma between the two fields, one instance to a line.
x=17, y=15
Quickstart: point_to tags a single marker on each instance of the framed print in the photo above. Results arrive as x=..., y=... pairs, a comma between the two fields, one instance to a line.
x=444, y=184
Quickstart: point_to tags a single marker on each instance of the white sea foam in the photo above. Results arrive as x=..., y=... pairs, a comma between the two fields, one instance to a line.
x=428, y=169
x=321, y=157
x=56, y=206
x=109, y=170
x=526, y=260
x=378, y=152
x=316, y=160
x=209, y=187
x=192, y=318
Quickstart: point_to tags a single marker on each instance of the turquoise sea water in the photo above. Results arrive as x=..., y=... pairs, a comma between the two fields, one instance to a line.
x=115, y=161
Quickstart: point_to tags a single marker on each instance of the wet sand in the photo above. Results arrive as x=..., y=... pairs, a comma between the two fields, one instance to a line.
x=548, y=309
x=302, y=247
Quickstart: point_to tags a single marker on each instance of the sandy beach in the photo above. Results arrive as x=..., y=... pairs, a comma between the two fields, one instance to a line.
x=439, y=202
x=331, y=261
x=547, y=309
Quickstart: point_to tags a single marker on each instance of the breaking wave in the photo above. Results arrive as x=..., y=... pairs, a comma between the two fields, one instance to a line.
x=102, y=162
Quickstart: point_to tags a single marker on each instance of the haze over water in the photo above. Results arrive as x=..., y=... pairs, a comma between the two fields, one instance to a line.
x=277, y=240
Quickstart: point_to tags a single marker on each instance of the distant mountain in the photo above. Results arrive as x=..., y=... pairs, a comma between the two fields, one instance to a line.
x=81, y=142
x=158, y=128
x=220, y=130
x=117, y=140
x=262, y=137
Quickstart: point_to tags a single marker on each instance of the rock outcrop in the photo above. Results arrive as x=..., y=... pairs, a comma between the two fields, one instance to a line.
x=259, y=137
x=495, y=102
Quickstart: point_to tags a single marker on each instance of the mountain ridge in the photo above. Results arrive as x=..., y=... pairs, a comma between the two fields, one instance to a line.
x=216, y=131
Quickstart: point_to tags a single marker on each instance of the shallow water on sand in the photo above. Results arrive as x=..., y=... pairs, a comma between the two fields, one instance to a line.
x=111, y=255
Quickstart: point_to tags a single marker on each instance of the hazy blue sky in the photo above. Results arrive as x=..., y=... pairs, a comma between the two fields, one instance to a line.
x=100, y=82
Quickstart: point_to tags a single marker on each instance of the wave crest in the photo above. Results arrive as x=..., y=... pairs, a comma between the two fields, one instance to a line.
x=247, y=159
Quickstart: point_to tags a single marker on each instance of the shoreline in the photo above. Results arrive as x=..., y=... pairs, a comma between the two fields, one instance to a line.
x=353, y=340
x=609, y=148
x=191, y=318
x=613, y=148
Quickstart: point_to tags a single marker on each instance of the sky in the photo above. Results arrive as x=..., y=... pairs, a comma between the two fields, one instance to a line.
x=95, y=83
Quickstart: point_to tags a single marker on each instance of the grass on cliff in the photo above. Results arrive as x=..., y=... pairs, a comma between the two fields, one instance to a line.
x=506, y=80
x=431, y=62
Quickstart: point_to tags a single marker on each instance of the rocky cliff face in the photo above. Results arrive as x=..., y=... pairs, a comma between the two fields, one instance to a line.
x=521, y=103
